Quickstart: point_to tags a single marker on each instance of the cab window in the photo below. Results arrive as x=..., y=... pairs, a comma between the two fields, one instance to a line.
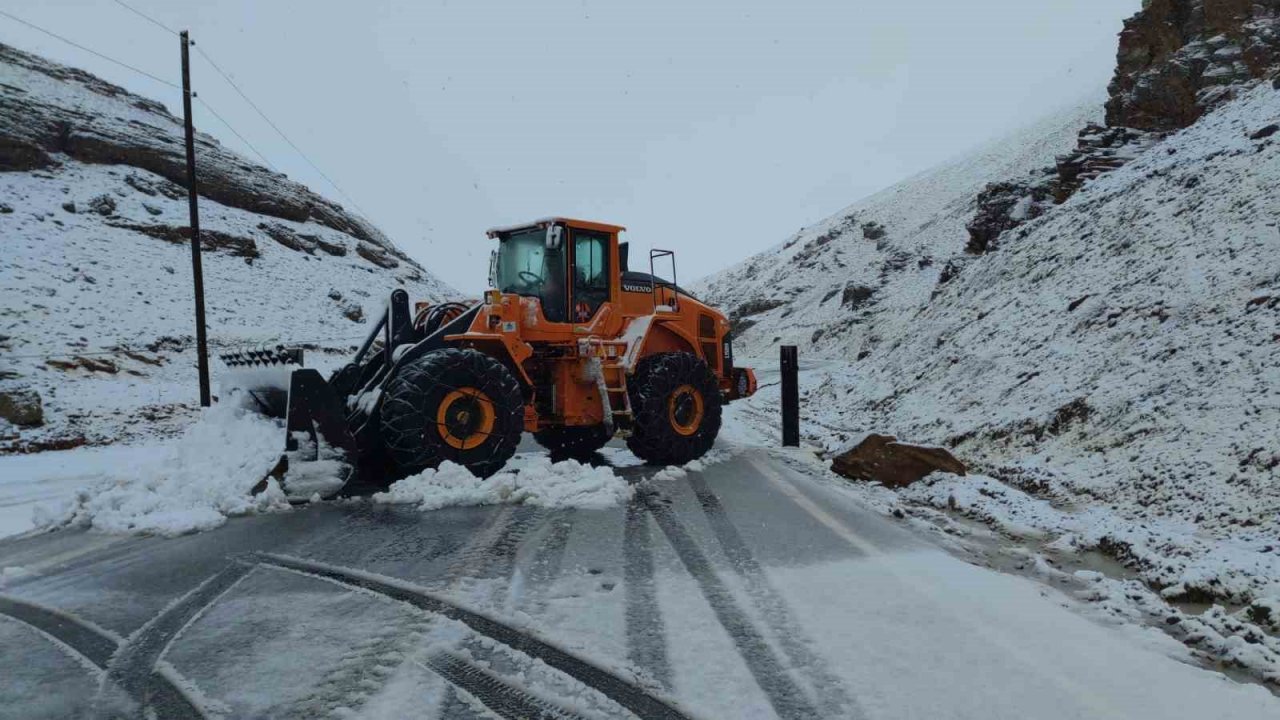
x=590, y=273
x=526, y=266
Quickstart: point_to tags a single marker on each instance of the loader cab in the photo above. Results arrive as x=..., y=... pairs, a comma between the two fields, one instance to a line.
x=567, y=265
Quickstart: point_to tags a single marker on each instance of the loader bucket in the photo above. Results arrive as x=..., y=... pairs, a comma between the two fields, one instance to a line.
x=263, y=375
x=319, y=451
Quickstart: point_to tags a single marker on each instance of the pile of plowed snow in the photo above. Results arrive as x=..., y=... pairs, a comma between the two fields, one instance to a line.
x=197, y=481
x=534, y=481
x=190, y=484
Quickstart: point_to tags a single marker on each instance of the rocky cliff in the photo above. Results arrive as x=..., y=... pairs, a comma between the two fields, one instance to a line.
x=1177, y=60
x=1181, y=58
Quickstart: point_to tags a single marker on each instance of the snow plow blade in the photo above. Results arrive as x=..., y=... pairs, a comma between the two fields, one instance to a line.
x=319, y=456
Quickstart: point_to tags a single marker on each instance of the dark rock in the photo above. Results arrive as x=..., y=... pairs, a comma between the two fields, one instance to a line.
x=210, y=240
x=69, y=206
x=151, y=209
x=1098, y=150
x=102, y=365
x=855, y=296
x=103, y=205
x=1265, y=132
x=5, y=208
x=896, y=261
x=1065, y=417
x=286, y=237
x=334, y=294
x=19, y=156
x=154, y=186
x=1003, y=206
x=873, y=230
x=327, y=247
x=353, y=312
x=22, y=408
x=949, y=271
x=756, y=307
x=376, y=255
x=882, y=459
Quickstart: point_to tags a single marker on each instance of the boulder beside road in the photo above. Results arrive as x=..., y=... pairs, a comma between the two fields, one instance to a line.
x=22, y=408
x=882, y=459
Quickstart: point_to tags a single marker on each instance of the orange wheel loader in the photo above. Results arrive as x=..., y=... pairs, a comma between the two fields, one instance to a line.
x=570, y=345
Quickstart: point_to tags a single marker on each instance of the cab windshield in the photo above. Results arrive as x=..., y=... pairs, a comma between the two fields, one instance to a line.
x=526, y=267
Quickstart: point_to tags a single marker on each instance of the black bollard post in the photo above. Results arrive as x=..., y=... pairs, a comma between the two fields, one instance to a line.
x=790, y=397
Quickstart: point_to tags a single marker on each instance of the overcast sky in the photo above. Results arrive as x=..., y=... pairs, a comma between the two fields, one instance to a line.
x=714, y=129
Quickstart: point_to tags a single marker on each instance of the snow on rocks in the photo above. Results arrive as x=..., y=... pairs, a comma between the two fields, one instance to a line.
x=537, y=481
x=191, y=484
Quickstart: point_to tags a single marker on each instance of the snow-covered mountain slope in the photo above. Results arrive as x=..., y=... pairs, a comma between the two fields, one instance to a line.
x=1112, y=364
x=1125, y=344
x=836, y=286
x=96, y=309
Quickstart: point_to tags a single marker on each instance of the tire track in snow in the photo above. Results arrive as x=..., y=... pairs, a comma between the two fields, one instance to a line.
x=361, y=672
x=602, y=681
x=546, y=566
x=507, y=700
x=770, y=674
x=491, y=552
x=95, y=648
x=773, y=608
x=89, y=641
x=132, y=668
x=646, y=633
x=492, y=556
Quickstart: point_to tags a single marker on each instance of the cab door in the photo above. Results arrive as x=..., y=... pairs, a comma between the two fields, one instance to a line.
x=591, y=276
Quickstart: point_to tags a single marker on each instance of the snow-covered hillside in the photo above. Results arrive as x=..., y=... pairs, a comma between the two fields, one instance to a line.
x=1111, y=366
x=97, y=313
x=881, y=257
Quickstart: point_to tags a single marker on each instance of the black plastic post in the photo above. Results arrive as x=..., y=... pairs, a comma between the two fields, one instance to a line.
x=790, y=397
x=197, y=275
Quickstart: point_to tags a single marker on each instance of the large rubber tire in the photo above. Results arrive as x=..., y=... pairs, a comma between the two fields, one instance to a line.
x=576, y=443
x=667, y=431
x=447, y=385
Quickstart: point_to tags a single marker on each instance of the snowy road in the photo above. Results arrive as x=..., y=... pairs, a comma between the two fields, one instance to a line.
x=748, y=589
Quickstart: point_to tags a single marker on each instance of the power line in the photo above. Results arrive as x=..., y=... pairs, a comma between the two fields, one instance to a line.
x=91, y=51
x=279, y=131
x=209, y=107
x=147, y=17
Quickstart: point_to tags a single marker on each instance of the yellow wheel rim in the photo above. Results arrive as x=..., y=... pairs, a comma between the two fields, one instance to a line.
x=465, y=418
x=684, y=410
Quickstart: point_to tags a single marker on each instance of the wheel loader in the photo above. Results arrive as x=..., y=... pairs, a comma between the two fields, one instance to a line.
x=569, y=344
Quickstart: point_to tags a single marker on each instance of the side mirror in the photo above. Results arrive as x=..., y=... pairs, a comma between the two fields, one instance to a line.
x=555, y=236
x=493, y=268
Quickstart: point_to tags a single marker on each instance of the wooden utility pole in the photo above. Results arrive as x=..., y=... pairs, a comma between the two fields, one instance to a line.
x=197, y=274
